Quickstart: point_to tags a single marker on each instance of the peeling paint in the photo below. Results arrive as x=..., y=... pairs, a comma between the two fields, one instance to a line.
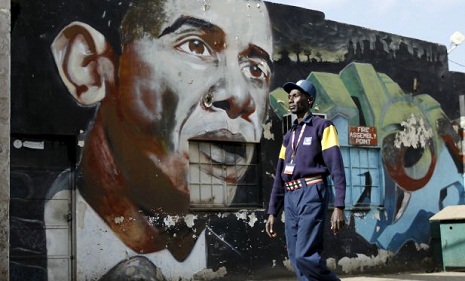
x=252, y=219
x=119, y=220
x=190, y=220
x=287, y=264
x=208, y=274
x=422, y=246
x=331, y=263
x=267, y=134
x=170, y=220
x=222, y=215
x=241, y=215
x=415, y=134
x=272, y=175
x=359, y=263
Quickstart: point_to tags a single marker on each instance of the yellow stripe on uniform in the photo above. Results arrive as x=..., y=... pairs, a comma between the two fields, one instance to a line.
x=282, y=152
x=330, y=138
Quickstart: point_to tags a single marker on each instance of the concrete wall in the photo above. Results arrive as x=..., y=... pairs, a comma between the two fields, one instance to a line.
x=4, y=136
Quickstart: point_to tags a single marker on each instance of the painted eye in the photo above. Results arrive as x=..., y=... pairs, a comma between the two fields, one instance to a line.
x=256, y=70
x=195, y=47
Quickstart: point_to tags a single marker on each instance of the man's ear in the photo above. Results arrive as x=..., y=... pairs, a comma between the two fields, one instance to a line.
x=310, y=101
x=85, y=62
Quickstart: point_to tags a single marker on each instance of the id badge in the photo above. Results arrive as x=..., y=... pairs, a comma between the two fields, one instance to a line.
x=289, y=169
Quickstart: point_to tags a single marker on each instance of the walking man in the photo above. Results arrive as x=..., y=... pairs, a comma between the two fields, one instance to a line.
x=309, y=154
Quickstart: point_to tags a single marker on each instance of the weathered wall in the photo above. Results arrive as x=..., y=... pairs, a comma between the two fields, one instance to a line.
x=162, y=149
x=4, y=135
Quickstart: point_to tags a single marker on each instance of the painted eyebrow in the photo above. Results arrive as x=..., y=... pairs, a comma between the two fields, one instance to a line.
x=185, y=20
x=253, y=50
x=257, y=52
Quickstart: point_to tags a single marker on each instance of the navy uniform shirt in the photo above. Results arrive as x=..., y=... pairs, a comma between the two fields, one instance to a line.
x=317, y=153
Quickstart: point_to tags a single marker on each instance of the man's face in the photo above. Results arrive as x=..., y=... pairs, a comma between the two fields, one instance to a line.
x=205, y=77
x=299, y=103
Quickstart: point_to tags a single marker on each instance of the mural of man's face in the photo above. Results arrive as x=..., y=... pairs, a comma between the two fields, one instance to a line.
x=193, y=71
x=189, y=70
x=206, y=77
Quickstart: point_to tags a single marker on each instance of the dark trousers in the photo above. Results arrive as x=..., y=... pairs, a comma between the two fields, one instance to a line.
x=305, y=215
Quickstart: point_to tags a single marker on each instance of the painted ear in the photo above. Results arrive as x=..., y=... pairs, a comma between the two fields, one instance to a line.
x=85, y=62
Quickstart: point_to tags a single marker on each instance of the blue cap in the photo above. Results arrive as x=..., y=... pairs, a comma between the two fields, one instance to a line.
x=302, y=85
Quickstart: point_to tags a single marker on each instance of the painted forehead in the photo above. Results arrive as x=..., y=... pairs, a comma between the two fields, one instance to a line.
x=251, y=21
x=245, y=21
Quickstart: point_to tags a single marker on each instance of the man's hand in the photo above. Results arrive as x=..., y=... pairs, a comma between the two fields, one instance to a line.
x=337, y=220
x=269, y=227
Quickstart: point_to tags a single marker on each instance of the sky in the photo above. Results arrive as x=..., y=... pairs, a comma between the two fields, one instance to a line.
x=429, y=20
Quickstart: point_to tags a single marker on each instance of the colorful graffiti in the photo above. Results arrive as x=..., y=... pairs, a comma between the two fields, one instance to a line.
x=410, y=133
x=167, y=106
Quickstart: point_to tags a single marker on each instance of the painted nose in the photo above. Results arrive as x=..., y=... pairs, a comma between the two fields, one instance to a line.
x=234, y=98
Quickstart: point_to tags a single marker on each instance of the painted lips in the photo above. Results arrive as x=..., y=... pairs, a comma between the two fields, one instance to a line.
x=224, y=154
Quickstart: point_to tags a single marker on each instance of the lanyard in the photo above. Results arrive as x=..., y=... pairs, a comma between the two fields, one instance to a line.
x=294, y=146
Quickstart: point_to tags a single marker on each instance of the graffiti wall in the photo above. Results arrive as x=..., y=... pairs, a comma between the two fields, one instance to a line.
x=145, y=136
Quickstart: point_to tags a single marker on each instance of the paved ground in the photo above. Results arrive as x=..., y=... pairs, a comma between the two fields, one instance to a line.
x=440, y=276
x=443, y=276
